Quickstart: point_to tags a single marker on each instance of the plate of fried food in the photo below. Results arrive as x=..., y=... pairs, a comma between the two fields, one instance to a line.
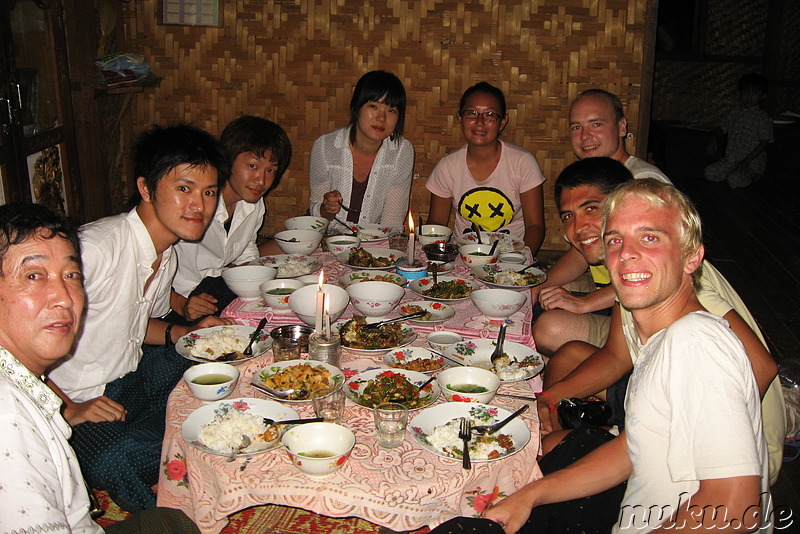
x=357, y=338
x=435, y=312
x=222, y=344
x=446, y=289
x=302, y=377
x=371, y=258
x=436, y=430
x=375, y=386
x=217, y=428
x=505, y=276
x=417, y=359
x=367, y=276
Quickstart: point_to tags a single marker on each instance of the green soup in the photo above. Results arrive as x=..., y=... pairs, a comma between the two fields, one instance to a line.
x=281, y=291
x=467, y=388
x=317, y=454
x=211, y=380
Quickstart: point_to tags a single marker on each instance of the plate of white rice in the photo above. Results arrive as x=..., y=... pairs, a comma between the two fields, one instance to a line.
x=436, y=429
x=524, y=362
x=214, y=343
x=290, y=265
x=218, y=427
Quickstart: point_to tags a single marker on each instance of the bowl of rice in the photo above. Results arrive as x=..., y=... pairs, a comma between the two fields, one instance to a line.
x=211, y=381
x=319, y=449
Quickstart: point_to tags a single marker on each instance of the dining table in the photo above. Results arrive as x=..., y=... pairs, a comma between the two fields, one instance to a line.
x=402, y=489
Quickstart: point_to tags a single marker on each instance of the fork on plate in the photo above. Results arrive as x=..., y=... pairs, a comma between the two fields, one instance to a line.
x=465, y=434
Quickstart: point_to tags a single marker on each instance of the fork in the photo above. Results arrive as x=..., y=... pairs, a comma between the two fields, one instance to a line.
x=465, y=434
x=348, y=210
x=491, y=429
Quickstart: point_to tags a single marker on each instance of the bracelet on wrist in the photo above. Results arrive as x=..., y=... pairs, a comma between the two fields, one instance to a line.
x=168, y=335
x=550, y=401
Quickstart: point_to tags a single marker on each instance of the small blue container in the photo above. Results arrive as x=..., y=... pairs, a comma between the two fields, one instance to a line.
x=412, y=272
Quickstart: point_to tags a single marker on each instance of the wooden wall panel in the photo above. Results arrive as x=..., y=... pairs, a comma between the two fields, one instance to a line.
x=296, y=61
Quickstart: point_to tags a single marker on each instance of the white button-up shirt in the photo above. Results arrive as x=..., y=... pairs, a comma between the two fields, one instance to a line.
x=118, y=255
x=219, y=248
x=41, y=486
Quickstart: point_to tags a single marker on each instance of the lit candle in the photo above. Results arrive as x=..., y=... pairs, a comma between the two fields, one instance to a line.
x=320, y=304
x=327, y=333
x=410, y=252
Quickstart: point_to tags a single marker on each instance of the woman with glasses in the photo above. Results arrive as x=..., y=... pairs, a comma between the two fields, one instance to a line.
x=362, y=173
x=492, y=184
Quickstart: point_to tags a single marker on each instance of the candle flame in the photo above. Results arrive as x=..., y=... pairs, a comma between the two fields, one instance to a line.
x=321, y=279
x=410, y=222
x=327, y=304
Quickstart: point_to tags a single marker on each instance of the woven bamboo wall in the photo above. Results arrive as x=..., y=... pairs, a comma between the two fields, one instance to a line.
x=296, y=61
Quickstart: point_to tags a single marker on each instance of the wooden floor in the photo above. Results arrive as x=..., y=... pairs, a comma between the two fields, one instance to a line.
x=752, y=236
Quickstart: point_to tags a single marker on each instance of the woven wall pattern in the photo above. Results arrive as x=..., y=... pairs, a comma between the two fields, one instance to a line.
x=736, y=27
x=296, y=61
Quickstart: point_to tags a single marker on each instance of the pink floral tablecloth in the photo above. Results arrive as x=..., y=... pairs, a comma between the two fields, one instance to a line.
x=402, y=489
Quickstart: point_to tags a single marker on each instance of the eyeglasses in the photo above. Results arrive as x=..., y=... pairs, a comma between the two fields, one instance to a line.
x=487, y=116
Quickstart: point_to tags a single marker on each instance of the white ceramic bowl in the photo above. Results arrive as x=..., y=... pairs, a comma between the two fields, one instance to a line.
x=279, y=302
x=374, y=298
x=476, y=254
x=455, y=381
x=305, y=241
x=306, y=444
x=512, y=257
x=442, y=340
x=214, y=373
x=303, y=302
x=341, y=243
x=498, y=304
x=433, y=233
x=309, y=279
x=245, y=280
x=307, y=222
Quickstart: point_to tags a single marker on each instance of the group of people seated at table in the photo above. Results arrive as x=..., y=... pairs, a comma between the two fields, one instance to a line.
x=85, y=388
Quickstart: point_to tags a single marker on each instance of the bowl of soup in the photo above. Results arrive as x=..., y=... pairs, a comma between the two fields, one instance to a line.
x=468, y=384
x=211, y=381
x=276, y=293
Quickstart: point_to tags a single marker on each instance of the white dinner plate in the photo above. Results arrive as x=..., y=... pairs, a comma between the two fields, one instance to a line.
x=393, y=255
x=190, y=429
x=407, y=354
x=421, y=285
x=304, y=264
x=477, y=353
x=485, y=273
x=440, y=312
x=372, y=233
x=364, y=276
x=508, y=243
x=355, y=386
x=409, y=335
x=424, y=423
x=185, y=344
x=335, y=381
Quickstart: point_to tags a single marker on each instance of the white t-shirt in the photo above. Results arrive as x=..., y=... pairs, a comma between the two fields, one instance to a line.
x=218, y=248
x=118, y=255
x=641, y=169
x=692, y=412
x=389, y=187
x=41, y=485
x=718, y=296
x=493, y=203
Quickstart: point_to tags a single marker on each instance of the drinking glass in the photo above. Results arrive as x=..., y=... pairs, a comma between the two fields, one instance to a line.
x=390, y=424
x=329, y=405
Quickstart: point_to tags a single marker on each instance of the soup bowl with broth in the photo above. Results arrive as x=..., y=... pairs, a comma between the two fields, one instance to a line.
x=211, y=381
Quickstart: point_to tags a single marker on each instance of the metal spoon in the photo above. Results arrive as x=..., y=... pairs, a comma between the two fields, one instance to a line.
x=349, y=229
x=270, y=422
x=527, y=267
x=494, y=246
x=348, y=210
x=477, y=230
x=243, y=445
x=372, y=326
x=274, y=392
x=498, y=349
x=491, y=429
x=249, y=350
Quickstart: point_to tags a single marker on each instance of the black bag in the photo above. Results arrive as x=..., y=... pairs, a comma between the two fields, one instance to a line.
x=575, y=412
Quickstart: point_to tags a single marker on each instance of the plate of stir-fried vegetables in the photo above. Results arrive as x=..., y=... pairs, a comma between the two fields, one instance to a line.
x=372, y=342
x=375, y=386
x=446, y=289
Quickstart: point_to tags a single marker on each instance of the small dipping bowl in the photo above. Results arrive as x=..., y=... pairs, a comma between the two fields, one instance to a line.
x=211, y=381
x=279, y=301
x=434, y=233
x=443, y=339
x=341, y=243
x=476, y=254
x=445, y=252
x=318, y=449
x=511, y=257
